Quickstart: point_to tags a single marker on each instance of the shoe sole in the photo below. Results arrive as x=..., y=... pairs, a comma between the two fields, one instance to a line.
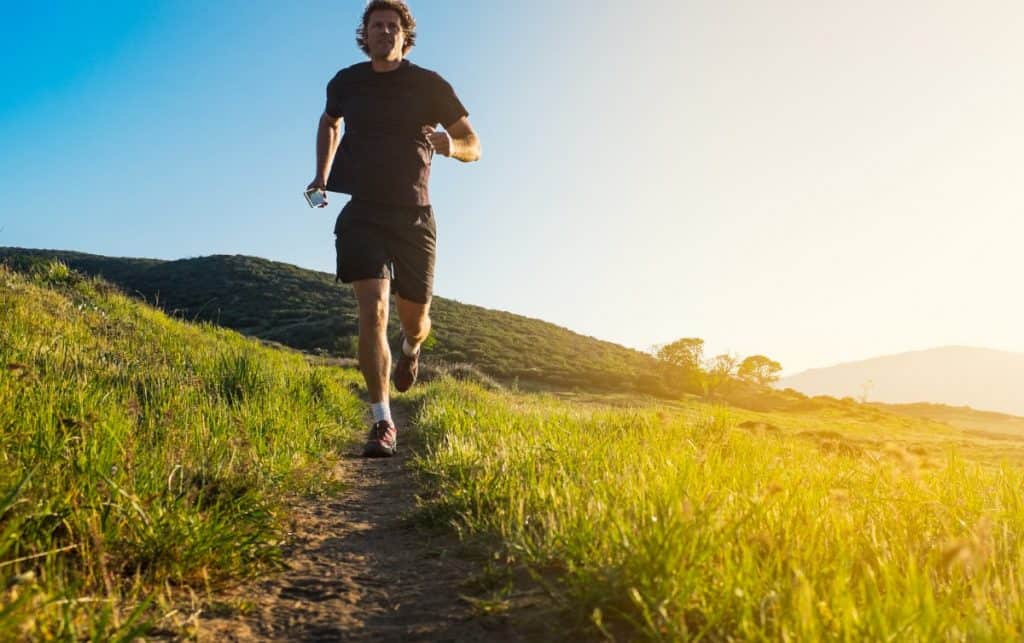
x=394, y=377
x=377, y=450
x=403, y=389
x=399, y=387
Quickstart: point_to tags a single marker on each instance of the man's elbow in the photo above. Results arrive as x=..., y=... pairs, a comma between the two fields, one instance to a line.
x=330, y=122
x=473, y=148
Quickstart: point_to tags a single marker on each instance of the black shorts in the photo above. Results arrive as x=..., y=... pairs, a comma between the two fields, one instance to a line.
x=396, y=242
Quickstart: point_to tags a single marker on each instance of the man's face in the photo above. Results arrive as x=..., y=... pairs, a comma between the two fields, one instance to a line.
x=384, y=35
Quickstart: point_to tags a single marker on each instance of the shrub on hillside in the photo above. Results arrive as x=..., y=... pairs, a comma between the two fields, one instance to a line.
x=461, y=371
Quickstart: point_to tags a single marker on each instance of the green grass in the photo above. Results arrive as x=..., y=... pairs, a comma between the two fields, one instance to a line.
x=142, y=458
x=671, y=523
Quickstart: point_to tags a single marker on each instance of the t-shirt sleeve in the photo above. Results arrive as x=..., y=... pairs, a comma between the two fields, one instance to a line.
x=335, y=96
x=447, y=106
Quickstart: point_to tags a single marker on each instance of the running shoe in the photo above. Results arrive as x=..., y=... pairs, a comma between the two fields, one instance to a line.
x=406, y=369
x=382, y=441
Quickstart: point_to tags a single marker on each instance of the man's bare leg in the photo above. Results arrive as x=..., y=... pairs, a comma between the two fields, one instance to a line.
x=375, y=363
x=415, y=320
x=374, y=354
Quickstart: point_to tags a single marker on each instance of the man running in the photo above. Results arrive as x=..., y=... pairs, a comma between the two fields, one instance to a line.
x=385, y=235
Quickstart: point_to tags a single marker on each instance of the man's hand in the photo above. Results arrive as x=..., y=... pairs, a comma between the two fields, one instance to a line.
x=441, y=141
x=458, y=141
x=318, y=184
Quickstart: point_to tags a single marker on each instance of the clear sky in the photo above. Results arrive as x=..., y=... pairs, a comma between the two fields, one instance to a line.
x=818, y=182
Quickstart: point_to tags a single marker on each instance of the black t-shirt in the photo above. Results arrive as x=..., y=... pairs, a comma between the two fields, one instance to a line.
x=384, y=155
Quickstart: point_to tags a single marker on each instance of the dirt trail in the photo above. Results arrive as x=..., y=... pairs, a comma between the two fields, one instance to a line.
x=358, y=571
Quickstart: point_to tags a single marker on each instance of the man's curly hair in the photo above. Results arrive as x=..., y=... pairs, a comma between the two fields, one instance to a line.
x=404, y=15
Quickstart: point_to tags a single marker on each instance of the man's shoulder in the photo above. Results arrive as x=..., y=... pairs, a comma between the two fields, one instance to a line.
x=353, y=71
x=428, y=74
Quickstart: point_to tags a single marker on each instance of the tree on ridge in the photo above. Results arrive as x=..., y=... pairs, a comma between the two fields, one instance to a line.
x=759, y=369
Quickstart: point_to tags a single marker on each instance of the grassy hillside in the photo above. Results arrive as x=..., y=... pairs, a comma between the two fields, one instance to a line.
x=686, y=521
x=145, y=458
x=978, y=423
x=142, y=457
x=309, y=310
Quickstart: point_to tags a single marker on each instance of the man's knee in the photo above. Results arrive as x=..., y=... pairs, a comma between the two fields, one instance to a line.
x=373, y=313
x=420, y=329
x=372, y=300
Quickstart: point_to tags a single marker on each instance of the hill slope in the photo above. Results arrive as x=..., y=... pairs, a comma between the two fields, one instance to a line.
x=144, y=457
x=955, y=375
x=976, y=423
x=308, y=310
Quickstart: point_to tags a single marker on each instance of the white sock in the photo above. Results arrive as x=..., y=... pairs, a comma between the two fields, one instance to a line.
x=381, y=411
x=409, y=349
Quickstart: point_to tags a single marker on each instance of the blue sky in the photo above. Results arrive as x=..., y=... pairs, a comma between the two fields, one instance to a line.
x=817, y=183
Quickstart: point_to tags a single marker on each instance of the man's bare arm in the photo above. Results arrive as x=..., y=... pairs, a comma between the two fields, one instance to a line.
x=459, y=141
x=328, y=134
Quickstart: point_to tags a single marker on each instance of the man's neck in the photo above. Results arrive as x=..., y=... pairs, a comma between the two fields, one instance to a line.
x=383, y=64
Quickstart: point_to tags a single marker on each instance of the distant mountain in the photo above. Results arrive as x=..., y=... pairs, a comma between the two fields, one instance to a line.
x=308, y=310
x=954, y=375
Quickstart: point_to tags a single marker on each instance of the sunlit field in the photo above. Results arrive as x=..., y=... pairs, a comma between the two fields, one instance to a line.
x=147, y=463
x=691, y=521
x=143, y=460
